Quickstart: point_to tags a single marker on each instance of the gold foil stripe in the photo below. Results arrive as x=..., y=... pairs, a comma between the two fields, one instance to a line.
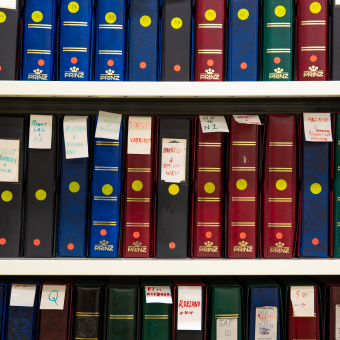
x=282, y=200
x=209, y=52
x=278, y=49
x=246, y=199
x=139, y=170
x=280, y=144
x=103, y=198
x=279, y=225
x=86, y=338
x=111, y=53
x=94, y=313
x=243, y=224
x=208, y=200
x=39, y=53
x=109, y=25
x=121, y=317
x=147, y=200
x=75, y=25
x=210, y=143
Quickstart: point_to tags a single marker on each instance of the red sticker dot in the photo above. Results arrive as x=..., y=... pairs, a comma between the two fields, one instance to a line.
x=0, y=68
x=172, y=245
x=279, y=236
x=315, y=241
x=244, y=66
x=243, y=236
x=136, y=234
x=36, y=242
x=103, y=232
x=313, y=58
x=41, y=62
x=70, y=246
x=110, y=62
x=2, y=241
x=177, y=68
x=277, y=60
x=74, y=60
x=142, y=65
x=208, y=234
x=210, y=62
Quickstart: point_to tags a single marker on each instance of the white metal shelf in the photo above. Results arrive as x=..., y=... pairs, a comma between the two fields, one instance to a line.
x=258, y=89
x=168, y=267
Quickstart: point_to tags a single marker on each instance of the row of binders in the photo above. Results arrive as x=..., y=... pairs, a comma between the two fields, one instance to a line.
x=170, y=308
x=138, y=186
x=169, y=40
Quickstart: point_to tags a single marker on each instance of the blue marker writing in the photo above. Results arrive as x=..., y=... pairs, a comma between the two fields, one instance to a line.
x=53, y=297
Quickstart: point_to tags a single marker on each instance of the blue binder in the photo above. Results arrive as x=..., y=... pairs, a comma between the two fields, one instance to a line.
x=73, y=203
x=315, y=165
x=4, y=282
x=110, y=40
x=75, y=47
x=143, y=40
x=40, y=26
x=243, y=40
x=106, y=196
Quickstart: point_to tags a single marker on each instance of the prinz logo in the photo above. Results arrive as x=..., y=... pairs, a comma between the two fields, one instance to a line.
x=74, y=73
x=209, y=75
x=103, y=246
x=109, y=75
x=313, y=72
x=37, y=75
x=278, y=74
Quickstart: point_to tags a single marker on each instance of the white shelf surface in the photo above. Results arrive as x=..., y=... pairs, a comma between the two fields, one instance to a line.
x=258, y=89
x=168, y=267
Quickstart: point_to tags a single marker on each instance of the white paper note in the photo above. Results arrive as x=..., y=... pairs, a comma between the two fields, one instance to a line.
x=226, y=329
x=158, y=294
x=213, y=124
x=173, y=160
x=139, y=136
x=108, y=125
x=22, y=295
x=337, y=2
x=302, y=298
x=337, y=322
x=9, y=4
x=52, y=297
x=40, y=132
x=75, y=133
x=266, y=323
x=9, y=160
x=317, y=127
x=247, y=119
x=189, y=308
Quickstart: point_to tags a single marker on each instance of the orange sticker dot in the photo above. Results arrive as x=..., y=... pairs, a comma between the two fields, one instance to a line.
x=0, y=68
x=210, y=62
x=41, y=62
x=177, y=68
x=110, y=62
x=142, y=65
x=74, y=60
x=315, y=241
x=243, y=235
x=208, y=234
x=36, y=242
x=136, y=234
x=172, y=245
x=277, y=60
x=103, y=232
x=70, y=246
x=279, y=236
x=313, y=58
x=243, y=66
x=2, y=241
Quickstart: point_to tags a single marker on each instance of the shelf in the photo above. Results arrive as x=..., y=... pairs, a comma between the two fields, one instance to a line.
x=169, y=89
x=169, y=267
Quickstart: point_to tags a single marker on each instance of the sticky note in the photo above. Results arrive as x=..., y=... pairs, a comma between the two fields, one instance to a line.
x=139, y=136
x=40, y=133
x=22, y=295
x=247, y=119
x=213, y=124
x=226, y=329
x=52, y=297
x=108, y=125
x=266, y=323
x=317, y=127
x=302, y=298
x=9, y=160
x=158, y=294
x=9, y=4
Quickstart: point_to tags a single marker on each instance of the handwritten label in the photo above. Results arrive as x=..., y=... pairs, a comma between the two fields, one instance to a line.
x=139, y=136
x=247, y=119
x=75, y=134
x=9, y=4
x=213, y=124
x=226, y=329
x=189, y=308
x=266, y=323
x=158, y=294
x=302, y=298
x=337, y=322
x=52, y=297
x=173, y=160
x=9, y=160
x=108, y=125
x=317, y=127
x=22, y=295
x=40, y=132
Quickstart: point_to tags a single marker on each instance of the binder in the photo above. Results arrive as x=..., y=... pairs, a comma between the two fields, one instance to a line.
x=336, y=188
x=4, y=288
x=334, y=42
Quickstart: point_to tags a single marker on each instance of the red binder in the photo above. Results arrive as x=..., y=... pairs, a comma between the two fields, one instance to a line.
x=279, y=187
x=209, y=48
x=243, y=190
x=208, y=193
x=311, y=21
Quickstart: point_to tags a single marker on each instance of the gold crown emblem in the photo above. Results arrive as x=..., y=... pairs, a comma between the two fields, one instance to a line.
x=74, y=69
x=313, y=68
x=37, y=71
x=279, y=244
x=209, y=71
x=110, y=72
x=208, y=244
x=243, y=244
x=137, y=244
x=279, y=70
x=104, y=243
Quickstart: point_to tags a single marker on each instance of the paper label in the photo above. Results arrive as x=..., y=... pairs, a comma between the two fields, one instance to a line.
x=189, y=308
x=337, y=2
x=302, y=298
x=266, y=323
x=158, y=294
x=40, y=132
x=108, y=125
x=213, y=124
x=75, y=134
x=52, y=297
x=247, y=119
x=337, y=322
x=317, y=127
x=139, y=136
x=9, y=4
x=9, y=160
x=22, y=295
x=173, y=160
x=226, y=329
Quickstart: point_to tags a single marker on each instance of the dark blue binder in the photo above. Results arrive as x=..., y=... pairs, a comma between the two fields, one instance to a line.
x=4, y=282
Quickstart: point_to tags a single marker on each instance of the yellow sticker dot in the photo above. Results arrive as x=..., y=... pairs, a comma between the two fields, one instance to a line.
x=73, y=7
x=173, y=189
x=6, y=196
x=209, y=187
x=241, y=184
x=176, y=23
x=37, y=16
x=280, y=11
x=315, y=188
x=2, y=17
x=74, y=187
x=210, y=15
x=145, y=21
x=110, y=17
x=315, y=7
x=107, y=189
x=137, y=185
x=281, y=185
x=40, y=195
x=243, y=14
